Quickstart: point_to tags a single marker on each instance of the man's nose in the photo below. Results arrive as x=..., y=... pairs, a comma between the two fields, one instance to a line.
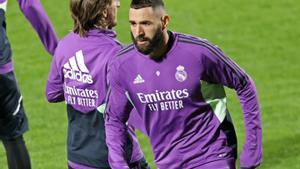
x=139, y=30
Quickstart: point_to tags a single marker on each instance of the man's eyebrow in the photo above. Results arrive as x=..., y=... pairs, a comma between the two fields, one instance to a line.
x=143, y=21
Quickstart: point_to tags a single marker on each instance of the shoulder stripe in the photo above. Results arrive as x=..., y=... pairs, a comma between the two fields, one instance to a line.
x=218, y=50
x=190, y=37
x=125, y=50
x=213, y=48
x=219, y=54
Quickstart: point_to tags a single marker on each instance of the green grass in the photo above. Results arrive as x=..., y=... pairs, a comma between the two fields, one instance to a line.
x=261, y=36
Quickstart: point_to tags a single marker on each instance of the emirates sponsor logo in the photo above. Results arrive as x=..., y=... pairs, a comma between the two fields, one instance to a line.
x=81, y=97
x=163, y=96
x=164, y=100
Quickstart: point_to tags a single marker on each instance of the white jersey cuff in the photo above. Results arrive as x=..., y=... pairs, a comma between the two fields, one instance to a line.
x=3, y=5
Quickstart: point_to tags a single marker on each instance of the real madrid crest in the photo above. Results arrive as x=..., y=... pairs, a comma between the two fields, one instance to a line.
x=180, y=74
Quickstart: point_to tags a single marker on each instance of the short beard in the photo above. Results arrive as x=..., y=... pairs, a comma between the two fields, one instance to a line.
x=154, y=43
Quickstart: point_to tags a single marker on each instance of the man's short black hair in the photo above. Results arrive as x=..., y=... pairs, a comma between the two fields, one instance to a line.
x=137, y=4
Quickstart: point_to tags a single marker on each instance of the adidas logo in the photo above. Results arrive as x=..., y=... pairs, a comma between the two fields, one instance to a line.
x=76, y=69
x=138, y=79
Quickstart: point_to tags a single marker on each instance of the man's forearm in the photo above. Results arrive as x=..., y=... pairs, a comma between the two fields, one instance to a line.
x=38, y=18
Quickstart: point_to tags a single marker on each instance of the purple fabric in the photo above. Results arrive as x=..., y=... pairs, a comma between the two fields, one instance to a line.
x=1, y=1
x=83, y=87
x=78, y=73
x=183, y=128
x=8, y=67
x=36, y=15
x=136, y=121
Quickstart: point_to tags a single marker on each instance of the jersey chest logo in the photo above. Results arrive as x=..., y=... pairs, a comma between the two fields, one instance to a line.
x=138, y=80
x=180, y=74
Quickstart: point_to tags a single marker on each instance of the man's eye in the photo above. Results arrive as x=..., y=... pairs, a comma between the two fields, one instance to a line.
x=147, y=23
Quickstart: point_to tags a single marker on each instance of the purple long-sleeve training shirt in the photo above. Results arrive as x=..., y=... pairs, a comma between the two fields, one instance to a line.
x=78, y=71
x=182, y=103
x=78, y=76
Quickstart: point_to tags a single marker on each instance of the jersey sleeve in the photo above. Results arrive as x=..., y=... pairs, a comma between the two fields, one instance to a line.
x=54, y=87
x=3, y=5
x=116, y=116
x=34, y=12
x=136, y=121
x=218, y=68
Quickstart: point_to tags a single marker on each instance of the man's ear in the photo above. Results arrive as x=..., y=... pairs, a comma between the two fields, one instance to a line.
x=165, y=21
x=105, y=13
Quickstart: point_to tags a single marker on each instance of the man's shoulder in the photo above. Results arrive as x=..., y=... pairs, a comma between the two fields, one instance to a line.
x=191, y=39
x=66, y=39
x=124, y=55
x=196, y=42
x=64, y=47
x=126, y=51
x=72, y=41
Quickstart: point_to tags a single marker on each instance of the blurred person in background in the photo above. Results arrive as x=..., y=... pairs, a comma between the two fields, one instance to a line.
x=13, y=120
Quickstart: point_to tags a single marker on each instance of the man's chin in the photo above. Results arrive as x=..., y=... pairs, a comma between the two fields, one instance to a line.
x=144, y=51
